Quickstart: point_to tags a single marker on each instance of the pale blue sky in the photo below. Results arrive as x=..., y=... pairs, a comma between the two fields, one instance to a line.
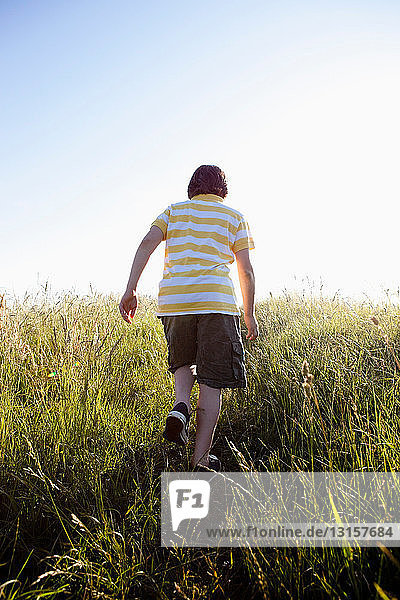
x=108, y=107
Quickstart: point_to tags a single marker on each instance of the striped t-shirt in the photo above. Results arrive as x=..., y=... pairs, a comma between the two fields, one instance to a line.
x=202, y=235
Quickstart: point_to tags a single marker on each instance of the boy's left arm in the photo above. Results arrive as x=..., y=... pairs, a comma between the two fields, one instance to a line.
x=151, y=240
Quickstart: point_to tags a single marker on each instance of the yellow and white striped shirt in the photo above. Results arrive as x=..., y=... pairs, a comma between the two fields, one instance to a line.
x=202, y=235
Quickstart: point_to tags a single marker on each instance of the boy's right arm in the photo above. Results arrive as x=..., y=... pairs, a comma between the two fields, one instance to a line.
x=247, y=286
x=147, y=246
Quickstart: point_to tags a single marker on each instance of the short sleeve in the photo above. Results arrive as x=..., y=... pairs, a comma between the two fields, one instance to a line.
x=243, y=237
x=162, y=222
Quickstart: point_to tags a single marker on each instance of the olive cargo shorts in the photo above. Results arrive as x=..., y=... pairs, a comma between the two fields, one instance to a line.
x=210, y=341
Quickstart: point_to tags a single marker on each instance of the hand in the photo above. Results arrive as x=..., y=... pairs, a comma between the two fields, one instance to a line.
x=128, y=306
x=252, y=327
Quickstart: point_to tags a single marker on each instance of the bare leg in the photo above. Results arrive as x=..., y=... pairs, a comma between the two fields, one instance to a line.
x=184, y=380
x=207, y=413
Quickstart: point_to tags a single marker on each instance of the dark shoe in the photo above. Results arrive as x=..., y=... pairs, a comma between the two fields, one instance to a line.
x=214, y=464
x=177, y=425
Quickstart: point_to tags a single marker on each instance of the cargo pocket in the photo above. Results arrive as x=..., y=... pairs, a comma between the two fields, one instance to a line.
x=216, y=361
x=238, y=360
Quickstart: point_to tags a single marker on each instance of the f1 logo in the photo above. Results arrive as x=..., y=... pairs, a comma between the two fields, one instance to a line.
x=189, y=499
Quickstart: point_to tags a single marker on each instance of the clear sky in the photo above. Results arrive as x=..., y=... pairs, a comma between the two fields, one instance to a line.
x=108, y=107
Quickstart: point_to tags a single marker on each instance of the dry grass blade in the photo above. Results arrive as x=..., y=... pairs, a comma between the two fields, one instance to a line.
x=388, y=343
x=308, y=387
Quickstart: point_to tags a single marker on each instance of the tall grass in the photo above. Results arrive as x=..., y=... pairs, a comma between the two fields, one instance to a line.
x=83, y=401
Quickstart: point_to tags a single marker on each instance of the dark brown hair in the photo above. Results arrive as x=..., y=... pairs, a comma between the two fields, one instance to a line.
x=208, y=179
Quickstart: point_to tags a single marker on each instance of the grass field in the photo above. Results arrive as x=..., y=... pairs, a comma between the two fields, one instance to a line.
x=83, y=402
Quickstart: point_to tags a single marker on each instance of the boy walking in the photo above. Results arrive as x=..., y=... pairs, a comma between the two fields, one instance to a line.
x=197, y=303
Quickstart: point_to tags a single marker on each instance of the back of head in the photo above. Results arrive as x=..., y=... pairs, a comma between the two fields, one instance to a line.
x=208, y=179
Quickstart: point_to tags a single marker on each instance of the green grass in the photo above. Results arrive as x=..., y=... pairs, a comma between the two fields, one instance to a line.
x=83, y=402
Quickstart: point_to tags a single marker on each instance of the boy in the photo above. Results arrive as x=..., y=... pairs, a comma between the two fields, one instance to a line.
x=197, y=303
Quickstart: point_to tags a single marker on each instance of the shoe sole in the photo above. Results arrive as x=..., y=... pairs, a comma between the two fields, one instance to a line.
x=175, y=429
x=202, y=469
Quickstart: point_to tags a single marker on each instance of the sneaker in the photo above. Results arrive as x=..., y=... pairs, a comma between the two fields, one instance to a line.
x=214, y=464
x=177, y=425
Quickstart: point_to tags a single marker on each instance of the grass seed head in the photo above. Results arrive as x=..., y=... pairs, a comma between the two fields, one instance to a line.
x=308, y=380
x=305, y=369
